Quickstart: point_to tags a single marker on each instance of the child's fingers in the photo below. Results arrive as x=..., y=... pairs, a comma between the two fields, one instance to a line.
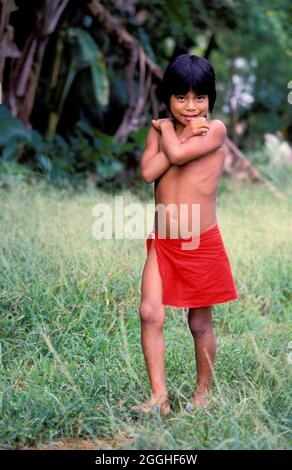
x=156, y=125
x=204, y=131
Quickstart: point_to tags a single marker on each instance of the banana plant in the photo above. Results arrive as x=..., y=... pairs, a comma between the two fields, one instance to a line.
x=7, y=47
x=25, y=70
x=84, y=53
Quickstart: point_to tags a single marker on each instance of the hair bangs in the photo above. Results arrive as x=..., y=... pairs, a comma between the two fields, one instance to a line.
x=187, y=72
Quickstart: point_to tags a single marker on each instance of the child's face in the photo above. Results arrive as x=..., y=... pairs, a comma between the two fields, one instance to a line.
x=191, y=104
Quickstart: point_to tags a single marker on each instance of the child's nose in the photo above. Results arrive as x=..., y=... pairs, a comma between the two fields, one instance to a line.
x=190, y=106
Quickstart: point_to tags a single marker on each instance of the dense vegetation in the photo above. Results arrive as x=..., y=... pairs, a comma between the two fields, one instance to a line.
x=82, y=77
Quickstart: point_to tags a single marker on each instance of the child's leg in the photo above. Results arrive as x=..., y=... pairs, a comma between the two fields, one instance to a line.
x=152, y=316
x=200, y=324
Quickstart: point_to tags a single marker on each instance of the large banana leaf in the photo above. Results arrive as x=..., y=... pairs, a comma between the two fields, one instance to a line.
x=11, y=129
x=88, y=54
x=13, y=135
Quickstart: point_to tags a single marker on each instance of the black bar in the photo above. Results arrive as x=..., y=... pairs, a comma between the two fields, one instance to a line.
x=127, y=458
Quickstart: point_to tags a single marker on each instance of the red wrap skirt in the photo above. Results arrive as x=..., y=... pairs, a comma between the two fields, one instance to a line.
x=195, y=277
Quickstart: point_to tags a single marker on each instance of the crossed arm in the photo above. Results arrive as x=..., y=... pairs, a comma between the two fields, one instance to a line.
x=176, y=151
x=153, y=163
x=195, y=147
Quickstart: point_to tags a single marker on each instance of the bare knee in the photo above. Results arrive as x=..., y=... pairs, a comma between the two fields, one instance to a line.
x=200, y=321
x=151, y=312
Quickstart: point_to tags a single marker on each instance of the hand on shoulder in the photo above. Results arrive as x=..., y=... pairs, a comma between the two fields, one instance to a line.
x=156, y=123
x=153, y=135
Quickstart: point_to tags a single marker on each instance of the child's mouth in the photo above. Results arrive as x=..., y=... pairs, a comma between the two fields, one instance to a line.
x=189, y=117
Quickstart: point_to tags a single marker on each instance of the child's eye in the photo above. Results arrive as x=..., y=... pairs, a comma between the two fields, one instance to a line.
x=201, y=97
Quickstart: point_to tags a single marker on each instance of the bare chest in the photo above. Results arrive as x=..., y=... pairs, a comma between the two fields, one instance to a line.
x=197, y=178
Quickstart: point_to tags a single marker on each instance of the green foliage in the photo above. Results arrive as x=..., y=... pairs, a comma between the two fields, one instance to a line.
x=90, y=66
x=86, y=53
x=86, y=150
x=12, y=134
x=268, y=25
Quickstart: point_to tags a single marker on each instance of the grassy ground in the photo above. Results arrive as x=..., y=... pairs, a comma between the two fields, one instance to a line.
x=70, y=355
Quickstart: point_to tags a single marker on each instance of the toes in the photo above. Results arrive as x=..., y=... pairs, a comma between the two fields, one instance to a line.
x=192, y=407
x=147, y=408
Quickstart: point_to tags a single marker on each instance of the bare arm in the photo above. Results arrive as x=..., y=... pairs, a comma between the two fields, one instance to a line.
x=195, y=147
x=157, y=165
x=154, y=162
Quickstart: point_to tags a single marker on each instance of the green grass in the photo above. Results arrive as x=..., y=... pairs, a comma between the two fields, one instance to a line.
x=70, y=355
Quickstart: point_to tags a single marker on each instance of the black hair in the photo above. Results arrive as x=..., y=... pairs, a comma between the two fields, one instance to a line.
x=188, y=71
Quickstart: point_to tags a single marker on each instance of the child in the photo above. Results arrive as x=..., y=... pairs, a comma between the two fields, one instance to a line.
x=184, y=155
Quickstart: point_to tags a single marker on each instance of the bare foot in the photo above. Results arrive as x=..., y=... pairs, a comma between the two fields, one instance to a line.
x=158, y=403
x=201, y=401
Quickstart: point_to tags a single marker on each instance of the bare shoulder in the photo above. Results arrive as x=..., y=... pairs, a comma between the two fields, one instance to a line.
x=152, y=135
x=218, y=132
x=218, y=126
